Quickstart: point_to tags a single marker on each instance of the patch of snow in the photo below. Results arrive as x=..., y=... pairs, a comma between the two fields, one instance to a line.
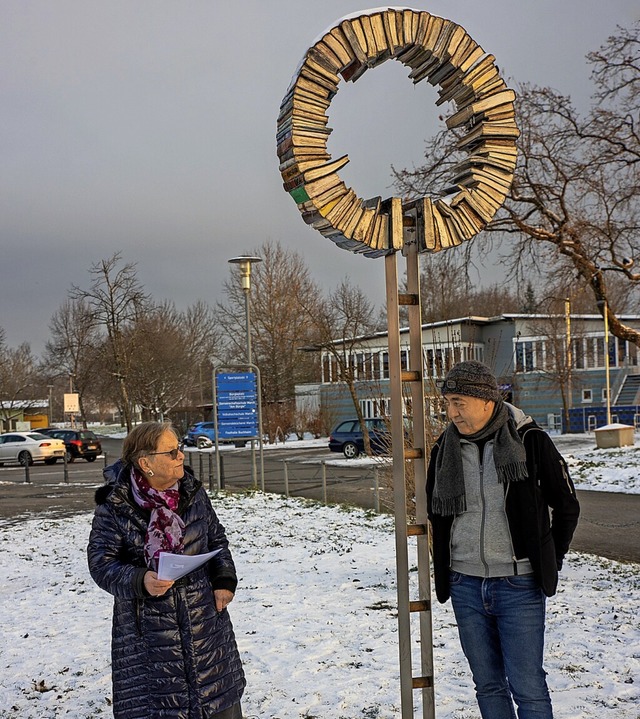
x=314, y=617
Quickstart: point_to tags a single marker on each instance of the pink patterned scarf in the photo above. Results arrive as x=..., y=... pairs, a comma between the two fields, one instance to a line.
x=165, y=532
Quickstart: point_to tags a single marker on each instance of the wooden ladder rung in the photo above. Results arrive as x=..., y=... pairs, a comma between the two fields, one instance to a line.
x=408, y=299
x=416, y=530
x=422, y=682
x=409, y=375
x=421, y=605
x=412, y=453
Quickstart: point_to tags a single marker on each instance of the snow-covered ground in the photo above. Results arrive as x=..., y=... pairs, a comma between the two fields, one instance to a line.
x=314, y=617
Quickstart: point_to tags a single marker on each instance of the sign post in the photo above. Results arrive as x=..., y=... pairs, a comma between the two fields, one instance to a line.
x=237, y=411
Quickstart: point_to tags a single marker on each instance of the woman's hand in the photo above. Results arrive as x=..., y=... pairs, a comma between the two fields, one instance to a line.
x=156, y=587
x=222, y=597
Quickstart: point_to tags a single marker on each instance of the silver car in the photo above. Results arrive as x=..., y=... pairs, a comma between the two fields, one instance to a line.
x=29, y=447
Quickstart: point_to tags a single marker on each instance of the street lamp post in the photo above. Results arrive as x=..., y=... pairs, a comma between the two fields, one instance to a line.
x=50, y=413
x=73, y=417
x=245, y=262
x=605, y=314
x=626, y=263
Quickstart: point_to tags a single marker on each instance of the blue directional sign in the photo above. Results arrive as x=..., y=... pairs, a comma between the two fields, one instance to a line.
x=237, y=405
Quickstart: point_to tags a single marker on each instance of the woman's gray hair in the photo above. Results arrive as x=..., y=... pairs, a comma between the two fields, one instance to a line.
x=143, y=439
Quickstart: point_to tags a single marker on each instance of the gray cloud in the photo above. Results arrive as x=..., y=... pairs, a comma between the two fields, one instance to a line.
x=149, y=127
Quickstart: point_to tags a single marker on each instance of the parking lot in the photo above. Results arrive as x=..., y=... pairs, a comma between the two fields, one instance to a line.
x=608, y=524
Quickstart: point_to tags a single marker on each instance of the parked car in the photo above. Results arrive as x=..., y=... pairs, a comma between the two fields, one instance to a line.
x=203, y=435
x=29, y=447
x=79, y=443
x=346, y=437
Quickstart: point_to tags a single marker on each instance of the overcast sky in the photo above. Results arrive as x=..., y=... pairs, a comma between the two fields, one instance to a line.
x=148, y=127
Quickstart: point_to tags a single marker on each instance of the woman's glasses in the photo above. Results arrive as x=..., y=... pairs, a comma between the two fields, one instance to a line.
x=173, y=453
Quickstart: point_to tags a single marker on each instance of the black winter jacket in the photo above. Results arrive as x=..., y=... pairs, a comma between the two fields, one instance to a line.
x=175, y=655
x=544, y=540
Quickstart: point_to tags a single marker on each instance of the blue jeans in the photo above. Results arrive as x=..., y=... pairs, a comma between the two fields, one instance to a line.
x=501, y=627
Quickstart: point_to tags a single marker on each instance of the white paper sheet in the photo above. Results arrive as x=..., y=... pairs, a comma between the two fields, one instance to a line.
x=174, y=566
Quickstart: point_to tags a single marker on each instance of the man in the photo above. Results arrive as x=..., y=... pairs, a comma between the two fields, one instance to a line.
x=492, y=478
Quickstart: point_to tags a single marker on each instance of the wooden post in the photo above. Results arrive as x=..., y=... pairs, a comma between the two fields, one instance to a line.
x=399, y=495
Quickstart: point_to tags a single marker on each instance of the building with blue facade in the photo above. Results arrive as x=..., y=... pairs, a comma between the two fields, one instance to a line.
x=551, y=366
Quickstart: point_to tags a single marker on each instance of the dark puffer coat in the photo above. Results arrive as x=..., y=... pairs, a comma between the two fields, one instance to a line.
x=173, y=656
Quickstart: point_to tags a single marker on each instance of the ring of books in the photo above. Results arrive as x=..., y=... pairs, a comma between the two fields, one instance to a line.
x=444, y=54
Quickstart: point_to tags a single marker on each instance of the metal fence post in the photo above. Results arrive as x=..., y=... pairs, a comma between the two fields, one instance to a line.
x=286, y=478
x=66, y=468
x=221, y=477
x=104, y=455
x=211, y=473
x=376, y=490
x=200, y=467
x=27, y=479
x=324, y=482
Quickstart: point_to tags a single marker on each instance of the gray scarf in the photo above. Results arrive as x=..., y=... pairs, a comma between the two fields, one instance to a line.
x=509, y=457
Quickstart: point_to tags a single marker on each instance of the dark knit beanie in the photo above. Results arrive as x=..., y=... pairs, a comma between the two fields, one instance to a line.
x=472, y=379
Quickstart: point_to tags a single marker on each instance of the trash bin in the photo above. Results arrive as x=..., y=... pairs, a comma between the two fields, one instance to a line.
x=614, y=435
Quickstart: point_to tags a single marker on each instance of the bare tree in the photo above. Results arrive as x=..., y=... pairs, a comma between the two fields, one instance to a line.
x=74, y=348
x=116, y=300
x=573, y=208
x=340, y=323
x=170, y=346
x=281, y=286
x=19, y=378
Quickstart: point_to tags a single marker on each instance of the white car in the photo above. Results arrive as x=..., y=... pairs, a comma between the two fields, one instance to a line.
x=29, y=447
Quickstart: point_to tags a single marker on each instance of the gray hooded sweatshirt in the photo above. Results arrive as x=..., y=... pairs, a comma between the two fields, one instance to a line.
x=481, y=543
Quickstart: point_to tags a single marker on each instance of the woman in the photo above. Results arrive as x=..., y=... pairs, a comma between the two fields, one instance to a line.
x=174, y=654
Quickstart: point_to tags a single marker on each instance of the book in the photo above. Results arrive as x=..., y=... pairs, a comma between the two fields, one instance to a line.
x=443, y=239
x=392, y=208
x=313, y=87
x=409, y=26
x=334, y=212
x=355, y=40
x=325, y=59
x=322, y=52
x=461, y=203
x=391, y=31
x=470, y=201
x=383, y=51
x=303, y=154
x=459, y=230
x=327, y=83
x=317, y=171
x=450, y=85
x=315, y=63
x=484, y=130
x=337, y=41
x=316, y=136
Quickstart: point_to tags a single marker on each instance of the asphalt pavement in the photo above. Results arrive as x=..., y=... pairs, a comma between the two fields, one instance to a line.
x=609, y=523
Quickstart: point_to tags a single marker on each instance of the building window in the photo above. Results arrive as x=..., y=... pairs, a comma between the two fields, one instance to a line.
x=372, y=408
x=599, y=351
x=604, y=394
x=385, y=365
x=591, y=352
x=578, y=354
x=524, y=357
x=326, y=369
x=587, y=395
x=431, y=364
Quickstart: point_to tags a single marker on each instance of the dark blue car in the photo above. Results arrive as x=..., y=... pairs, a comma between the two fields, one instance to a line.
x=203, y=435
x=347, y=438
